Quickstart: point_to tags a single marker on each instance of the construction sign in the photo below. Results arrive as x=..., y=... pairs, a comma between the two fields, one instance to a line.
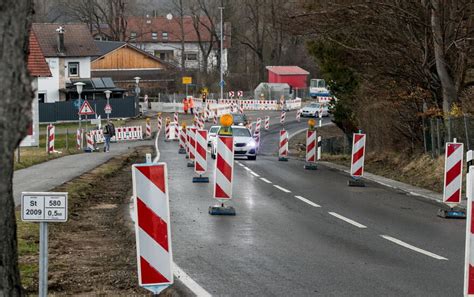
x=86, y=109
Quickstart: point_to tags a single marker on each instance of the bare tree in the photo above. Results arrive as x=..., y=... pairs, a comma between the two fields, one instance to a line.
x=179, y=11
x=15, y=114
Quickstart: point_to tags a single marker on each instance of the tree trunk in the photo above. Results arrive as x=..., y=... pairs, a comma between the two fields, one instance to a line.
x=15, y=113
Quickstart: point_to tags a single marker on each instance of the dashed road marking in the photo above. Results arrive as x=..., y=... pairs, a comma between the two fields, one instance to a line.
x=414, y=248
x=253, y=173
x=189, y=282
x=241, y=165
x=282, y=189
x=347, y=220
x=266, y=180
x=307, y=201
x=248, y=169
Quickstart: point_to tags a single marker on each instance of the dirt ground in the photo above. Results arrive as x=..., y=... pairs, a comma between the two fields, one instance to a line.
x=94, y=252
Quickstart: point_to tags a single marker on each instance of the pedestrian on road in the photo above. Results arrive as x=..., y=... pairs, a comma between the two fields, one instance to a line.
x=109, y=132
x=185, y=105
x=191, y=104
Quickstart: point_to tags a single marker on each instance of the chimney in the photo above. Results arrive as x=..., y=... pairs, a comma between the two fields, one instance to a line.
x=60, y=31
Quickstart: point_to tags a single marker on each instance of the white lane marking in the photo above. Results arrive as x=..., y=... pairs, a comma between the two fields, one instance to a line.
x=241, y=165
x=358, y=225
x=266, y=180
x=414, y=248
x=189, y=282
x=253, y=173
x=308, y=201
x=248, y=169
x=282, y=189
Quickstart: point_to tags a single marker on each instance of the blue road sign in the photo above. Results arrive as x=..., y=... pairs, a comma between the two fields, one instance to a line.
x=222, y=83
x=78, y=103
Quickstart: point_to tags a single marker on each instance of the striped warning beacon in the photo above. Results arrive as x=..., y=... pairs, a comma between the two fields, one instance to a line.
x=192, y=145
x=159, y=123
x=148, y=128
x=200, y=164
x=311, y=146
x=167, y=129
x=283, y=146
x=79, y=138
x=357, y=160
x=469, y=249
x=152, y=226
x=215, y=117
x=282, y=117
x=224, y=170
x=90, y=142
x=267, y=122
x=298, y=115
x=51, y=136
x=176, y=127
x=182, y=138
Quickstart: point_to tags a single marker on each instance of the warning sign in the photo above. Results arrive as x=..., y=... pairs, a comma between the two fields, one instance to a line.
x=86, y=109
x=108, y=108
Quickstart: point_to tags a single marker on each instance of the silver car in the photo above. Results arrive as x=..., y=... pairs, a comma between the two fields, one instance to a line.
x=313, y=109
x=244, y=144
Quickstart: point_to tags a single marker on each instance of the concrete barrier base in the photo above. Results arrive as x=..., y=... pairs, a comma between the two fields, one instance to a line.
x=200, y=179
x=451, y=214
x=221, y=210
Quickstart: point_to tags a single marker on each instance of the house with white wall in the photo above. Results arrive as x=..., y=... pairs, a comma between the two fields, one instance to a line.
x=68, y=50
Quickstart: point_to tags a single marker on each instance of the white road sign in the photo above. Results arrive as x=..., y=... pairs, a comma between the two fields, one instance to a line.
x=44, y=206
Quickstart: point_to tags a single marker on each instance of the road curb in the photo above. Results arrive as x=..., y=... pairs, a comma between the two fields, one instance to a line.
x=390, y=183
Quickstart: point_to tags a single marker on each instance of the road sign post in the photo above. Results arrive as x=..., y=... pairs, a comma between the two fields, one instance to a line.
x=43, y=208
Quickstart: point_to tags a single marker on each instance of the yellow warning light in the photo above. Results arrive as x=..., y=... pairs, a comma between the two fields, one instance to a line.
x=183, y=125
x=168, y=119
x=159, y=114
x=311, y=123
x=148, y=120
x=226, y=120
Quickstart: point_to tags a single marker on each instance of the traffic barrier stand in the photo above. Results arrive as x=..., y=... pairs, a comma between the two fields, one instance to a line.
x=200, y=164
x=152, y=226
x=159, y=123
x=90, y=143
x=319, y=148
x=187, y=142
x=50, y=139
x=215, y=118
x=182, y=139
x=357, y=160
x=311, y=148
x=224, y=170
x=79, y=138
x=320, y=114
x=148, y=128
x=192, y=146
x=267, y=122
x=282, y=117
x=283, y=147
x=453, y=163
x=167, y=130
x=176, y=128
x=298, y=115
x=469, y=249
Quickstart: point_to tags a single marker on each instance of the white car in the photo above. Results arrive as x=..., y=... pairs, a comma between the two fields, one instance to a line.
x=244, y=144
x=313, y=109
x=212, y=134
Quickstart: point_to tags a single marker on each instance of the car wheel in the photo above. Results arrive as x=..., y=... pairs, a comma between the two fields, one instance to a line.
x=252, y=157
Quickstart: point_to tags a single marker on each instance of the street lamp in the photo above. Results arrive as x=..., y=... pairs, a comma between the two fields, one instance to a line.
x=79, y=87
x=107, y=95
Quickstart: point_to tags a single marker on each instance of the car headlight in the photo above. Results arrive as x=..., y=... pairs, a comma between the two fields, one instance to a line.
x=252, y=143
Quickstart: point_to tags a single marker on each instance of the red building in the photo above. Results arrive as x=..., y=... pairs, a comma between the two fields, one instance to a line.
x=295, y=76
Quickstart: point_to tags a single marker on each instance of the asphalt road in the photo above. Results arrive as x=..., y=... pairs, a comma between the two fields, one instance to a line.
x=306, y=233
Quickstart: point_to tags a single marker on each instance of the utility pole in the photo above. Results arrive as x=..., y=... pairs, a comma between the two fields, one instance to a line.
x=222, y=50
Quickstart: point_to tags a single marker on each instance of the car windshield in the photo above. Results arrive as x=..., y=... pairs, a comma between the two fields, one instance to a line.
x=314, y=105
x=238, y=118
x=240, y=132
x=214, y=129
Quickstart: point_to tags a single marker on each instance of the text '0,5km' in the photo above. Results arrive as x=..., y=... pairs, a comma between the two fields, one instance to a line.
x=44, y=207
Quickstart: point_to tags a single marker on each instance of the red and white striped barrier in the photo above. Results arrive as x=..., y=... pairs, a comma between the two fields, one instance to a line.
x=167, y=130
x=200, y=166
x=267, y=122
x=358, y=155
x=283, y=147
x=182, y=140
x=79, y=138
x=98, y=135
x=187, y=144
x=152, y=225
x=148, y=128
x=215, y=118
x=320, y=114
x=310, y=146
x=159, y=124
x=241, y=108
x=176, y=129
x=223, y=174
x=453, y=173
x=51, y=136
x=192, y=144
x=90, y=142
x=298, y=115
x=469, y=249
x=201, y=121
x=128, y=133
x=319, y=148
x=282, y=117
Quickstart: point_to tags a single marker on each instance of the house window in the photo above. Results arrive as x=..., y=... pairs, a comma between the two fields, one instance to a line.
x=73, y=68
x=133, y=35
x=164, y=35
x=154, y=35
x=165, y=55
x=191, y=57
x=41, y=97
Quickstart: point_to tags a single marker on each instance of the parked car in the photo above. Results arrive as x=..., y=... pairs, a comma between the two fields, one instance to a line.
x=313, y=109
x=244, y=144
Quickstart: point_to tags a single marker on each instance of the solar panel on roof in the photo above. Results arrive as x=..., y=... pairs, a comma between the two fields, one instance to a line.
x=98, y=83
x=109, y=83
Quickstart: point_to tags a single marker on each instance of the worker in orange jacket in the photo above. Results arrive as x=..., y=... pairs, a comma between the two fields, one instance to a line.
x=185, y=105
x=191, y=104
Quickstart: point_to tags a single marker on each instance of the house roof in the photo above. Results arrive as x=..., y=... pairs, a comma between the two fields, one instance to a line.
x=148, y=75
x=287, y=70
x=78, y=41
x=106, y=47
x=37, y=65
x=145, y=26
